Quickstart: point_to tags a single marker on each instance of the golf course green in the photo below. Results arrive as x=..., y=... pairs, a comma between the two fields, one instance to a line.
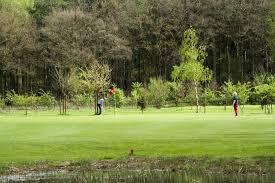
x=168, y=132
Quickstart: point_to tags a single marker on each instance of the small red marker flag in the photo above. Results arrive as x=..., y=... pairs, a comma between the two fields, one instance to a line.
x=112, y=90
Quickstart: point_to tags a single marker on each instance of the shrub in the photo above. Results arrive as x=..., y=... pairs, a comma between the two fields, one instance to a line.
x=82, y=100
x=158, y=92
x=118, y=98
x=243, y=91
x=142, y=101
x=9, y=99
x=24, y=101
x=136, y=92
x=2, y=103
x=266, y=95
x=46, y=100
x=176, y=92
x=208, y=96
x=190, y=98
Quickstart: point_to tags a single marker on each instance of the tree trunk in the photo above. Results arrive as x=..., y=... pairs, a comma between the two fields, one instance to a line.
x=197, y=97
x=228, y=64
x=214, y=65
x=63, y=105
x=65, y=102
x=60, y=105
x=26, y=109
x=2, y=83
x=96, y=99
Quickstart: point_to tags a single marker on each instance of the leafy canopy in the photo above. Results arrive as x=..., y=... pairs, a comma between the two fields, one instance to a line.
x=192, y=57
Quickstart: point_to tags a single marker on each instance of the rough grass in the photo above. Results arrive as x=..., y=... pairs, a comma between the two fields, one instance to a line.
x=170, y=132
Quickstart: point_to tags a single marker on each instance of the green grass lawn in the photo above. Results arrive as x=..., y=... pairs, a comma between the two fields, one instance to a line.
x=46, y=136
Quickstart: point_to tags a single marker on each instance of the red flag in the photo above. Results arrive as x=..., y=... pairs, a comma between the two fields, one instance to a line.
x=112, y=90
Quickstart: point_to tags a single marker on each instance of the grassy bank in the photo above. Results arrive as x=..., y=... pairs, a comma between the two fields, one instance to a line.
x=261, y=166
x=171, y=132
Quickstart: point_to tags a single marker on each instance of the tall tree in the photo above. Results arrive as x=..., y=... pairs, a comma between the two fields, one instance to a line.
x=17, y=46
x=191, y=67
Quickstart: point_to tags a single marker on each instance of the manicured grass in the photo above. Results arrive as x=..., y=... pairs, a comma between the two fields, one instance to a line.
x=46, y=136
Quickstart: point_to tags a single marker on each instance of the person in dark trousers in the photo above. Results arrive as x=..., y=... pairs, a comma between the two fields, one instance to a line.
x=235, y=103
x=100, y=105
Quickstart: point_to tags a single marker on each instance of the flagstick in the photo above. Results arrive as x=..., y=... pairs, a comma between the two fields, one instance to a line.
x=115, y=104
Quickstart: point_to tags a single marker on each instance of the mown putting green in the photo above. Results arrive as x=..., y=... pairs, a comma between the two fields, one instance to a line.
x=46, y=136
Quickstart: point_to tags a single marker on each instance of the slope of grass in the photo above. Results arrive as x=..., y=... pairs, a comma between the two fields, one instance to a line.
x=45, y=136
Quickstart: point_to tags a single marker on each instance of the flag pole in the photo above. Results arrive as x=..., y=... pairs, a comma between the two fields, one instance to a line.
x=115, y=104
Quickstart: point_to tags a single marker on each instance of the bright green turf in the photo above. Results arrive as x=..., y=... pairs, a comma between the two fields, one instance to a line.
x=165, y=132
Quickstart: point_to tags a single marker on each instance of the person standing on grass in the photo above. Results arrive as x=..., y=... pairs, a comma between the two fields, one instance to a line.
x=100, y=104
x=235, y=103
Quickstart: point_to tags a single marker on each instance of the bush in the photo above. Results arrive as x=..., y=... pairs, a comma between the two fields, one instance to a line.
x=9, y=98
x=158, y=92
x=190, y=98
x=24, y=101
x=13, y=99
x=118, y=98
x=176, y=93
x=136, y=92
x=82, y=100
x=243, y=91
x=46, y=100
x=208, y=96
x=142, y=101
x=2, y=103
x=266, y=95
x=264, y=79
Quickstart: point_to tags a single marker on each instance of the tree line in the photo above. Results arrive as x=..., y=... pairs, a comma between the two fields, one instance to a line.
x=44, y=42
x=191, y=85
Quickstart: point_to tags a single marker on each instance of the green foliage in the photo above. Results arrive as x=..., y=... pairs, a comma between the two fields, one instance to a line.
x=264, y=79
x=191, y=71
x=190, y=50
x=208, y=96
x=136, y=91
x=192, y=59
x=139, y=95
x=10, y=97
x=43, y=8
x=243, y=90
x=45, y=99
x=272, y=38
x=23, y=101
x=175, y=94
x=118, y=98
x=22, y=5
x=142, y=100
x=191, y=67
x=266, y=94
x=2, y=103
x=158, y=92
x=82, y=100
x=137, y=45
x=94, y=78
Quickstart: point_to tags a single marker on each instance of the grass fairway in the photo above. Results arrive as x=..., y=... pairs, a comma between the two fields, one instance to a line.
x=45, y=136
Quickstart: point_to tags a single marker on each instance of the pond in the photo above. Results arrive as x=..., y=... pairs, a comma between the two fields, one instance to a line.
x=135, y=177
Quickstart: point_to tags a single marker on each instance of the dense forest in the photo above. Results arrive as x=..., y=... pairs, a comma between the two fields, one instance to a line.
x=138, y=39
